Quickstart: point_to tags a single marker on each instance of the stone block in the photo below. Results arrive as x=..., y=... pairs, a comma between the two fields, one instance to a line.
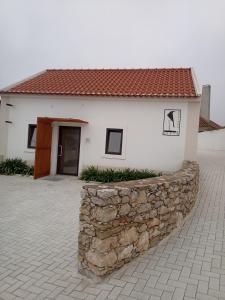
x=101, y=261
x=105, y=214
x=125, y=252
x=128, y=236
x=143, y=241
x=124, y=209
x=143, y=208
x=104, y=245
x=106, y=193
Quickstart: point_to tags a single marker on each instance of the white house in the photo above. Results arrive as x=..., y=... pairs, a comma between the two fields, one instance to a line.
x=64, y=120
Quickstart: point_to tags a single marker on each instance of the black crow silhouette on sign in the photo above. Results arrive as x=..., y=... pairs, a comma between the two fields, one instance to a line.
x=170, y=116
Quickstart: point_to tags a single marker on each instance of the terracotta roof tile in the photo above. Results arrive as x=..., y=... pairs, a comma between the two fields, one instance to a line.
x=205, y=125
x=110, y=82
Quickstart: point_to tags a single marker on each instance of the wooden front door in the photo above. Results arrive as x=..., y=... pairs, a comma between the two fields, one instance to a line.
x=68, y=150
x=43, y=148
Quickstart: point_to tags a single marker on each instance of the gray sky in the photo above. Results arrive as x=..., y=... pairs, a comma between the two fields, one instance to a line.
x=40, y=34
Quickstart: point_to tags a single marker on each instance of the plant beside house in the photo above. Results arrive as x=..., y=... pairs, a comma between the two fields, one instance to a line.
x=93, y=173
x=15, y=166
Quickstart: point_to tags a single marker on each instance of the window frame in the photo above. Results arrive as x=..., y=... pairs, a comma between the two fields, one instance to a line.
x=108, y=131
x=29, y=137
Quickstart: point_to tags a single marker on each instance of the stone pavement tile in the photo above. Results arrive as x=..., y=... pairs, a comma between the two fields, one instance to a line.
x=15, y=286
x=140, y=295
x=117, y=282
x=175, y=274
x=178, y=294
x=105, y=286
x=70, y=287
x=90, y=297
x=140, y=285
x=141, y=275
x=21, y=293
x=123, y=297
x=210, y=274
x=163, y=278
x=155, y=298
x=129, y=279
x=190, y=291
x=214, y=283
x=115, y=293
x=56, y=292
x=44, y=295
x=103, y=295
x=167, y=295
x=188, y=280
x=203, y=287
x=152, y=291
x=7, y=296
x=205, y=297
x=82, y=285
x=141, y=267
x=8, y=280
x=63, y=297
x=177, y=284
x=216, y=293
x=196, y=269
x=206, y=266
x=34, y=289
x=152, y=281
x=152, y=272
x=186, y=271
x=199, y=277
x=78, y=295
x=127, y=289
x=32, y=296
x=164, y=287
x=4, y=287
x=92, y=290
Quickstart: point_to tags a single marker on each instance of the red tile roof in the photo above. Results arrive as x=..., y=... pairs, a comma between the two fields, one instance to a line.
x=206, y=125
x=110, y=82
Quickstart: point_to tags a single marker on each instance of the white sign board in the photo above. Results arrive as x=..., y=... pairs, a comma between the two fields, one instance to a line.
x=171, y=123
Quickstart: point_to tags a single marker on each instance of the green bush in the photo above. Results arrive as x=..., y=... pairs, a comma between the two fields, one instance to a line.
x=15, y=166
x=113, y=175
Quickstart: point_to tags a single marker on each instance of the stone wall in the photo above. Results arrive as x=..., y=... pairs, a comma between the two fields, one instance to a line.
x=119, y=221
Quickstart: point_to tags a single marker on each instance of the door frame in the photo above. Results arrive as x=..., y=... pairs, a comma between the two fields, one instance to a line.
x=78, y=159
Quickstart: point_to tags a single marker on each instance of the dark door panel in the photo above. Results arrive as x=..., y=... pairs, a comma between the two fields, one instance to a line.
x=68, y=150
x=43, y=148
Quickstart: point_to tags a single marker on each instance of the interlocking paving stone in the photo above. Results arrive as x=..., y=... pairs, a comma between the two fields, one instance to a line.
x=38, y=250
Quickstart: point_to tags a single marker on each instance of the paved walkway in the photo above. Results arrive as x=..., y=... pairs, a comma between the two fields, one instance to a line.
x=38, y=234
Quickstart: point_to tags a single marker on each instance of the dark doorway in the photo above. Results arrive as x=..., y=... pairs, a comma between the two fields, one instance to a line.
x=68, y=150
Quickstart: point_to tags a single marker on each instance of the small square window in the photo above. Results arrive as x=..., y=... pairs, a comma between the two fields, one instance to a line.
x=32, y=129
x=114, y=140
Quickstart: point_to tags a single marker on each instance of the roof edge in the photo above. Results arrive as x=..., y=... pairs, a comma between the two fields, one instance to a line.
x=5, y=89
x=119, y=96
x=118, y=69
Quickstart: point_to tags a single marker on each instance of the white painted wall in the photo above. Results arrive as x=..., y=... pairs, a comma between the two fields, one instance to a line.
x=212, y=140
x=3, y=127
x=144, y=146
x=192, y=127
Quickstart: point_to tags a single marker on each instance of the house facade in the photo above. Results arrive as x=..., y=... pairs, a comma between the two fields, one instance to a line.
x=65, y=120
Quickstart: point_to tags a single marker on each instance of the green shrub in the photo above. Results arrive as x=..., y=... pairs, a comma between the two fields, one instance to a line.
x=15, y=166
x=113, y=175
